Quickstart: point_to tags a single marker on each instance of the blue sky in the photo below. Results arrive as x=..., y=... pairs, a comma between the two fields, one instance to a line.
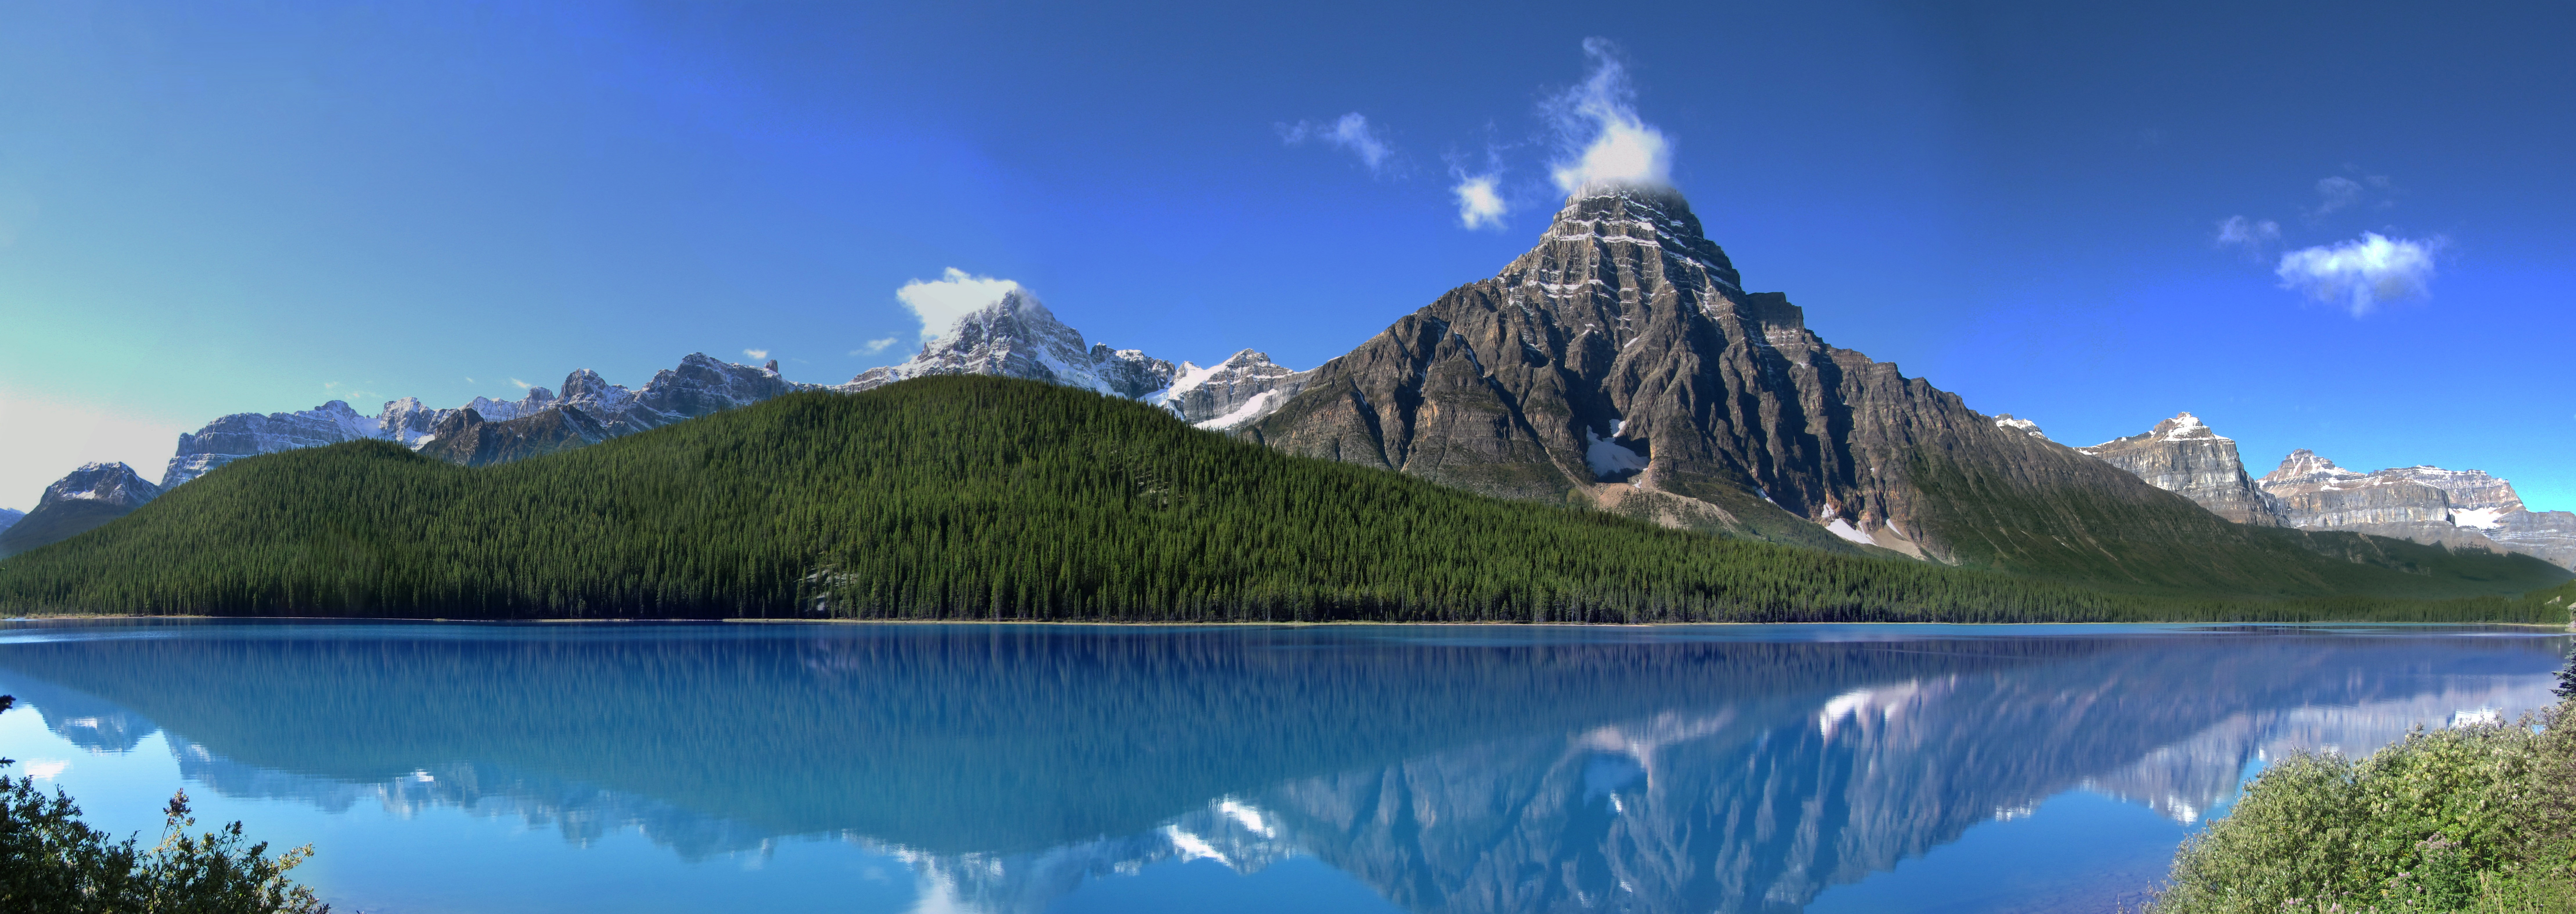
x=218, y=207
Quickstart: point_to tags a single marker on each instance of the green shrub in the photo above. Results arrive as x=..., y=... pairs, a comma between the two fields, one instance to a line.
x=2475, y=818
x=53, y=863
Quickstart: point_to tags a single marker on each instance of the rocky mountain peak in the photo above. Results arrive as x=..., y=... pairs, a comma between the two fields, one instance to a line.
x=2183, y=455
x=585, y=388
x=2303, y=465
x=1630, y=239
x=2478, y=498
x=1621, y=363
x=2427, y=504
x=2185, y=427
x=1244, y=387
x=107, y=483
x=87, y=497
x=1017, y=337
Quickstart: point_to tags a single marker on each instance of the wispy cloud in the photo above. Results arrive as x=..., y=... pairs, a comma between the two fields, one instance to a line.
x=873, y=347
x=522, y=385
x=756, y=353
x=1605, y=142
x=2253, y=236
x=1479, y=204
x=2361, y=274
x=955, y=294
x=1350, y=132
x=2336, y=193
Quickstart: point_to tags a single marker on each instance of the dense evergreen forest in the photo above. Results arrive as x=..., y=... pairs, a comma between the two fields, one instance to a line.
x=991, y=498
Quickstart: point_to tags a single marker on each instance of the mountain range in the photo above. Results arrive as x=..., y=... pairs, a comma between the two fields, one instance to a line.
x=2457, y=509
x=1619, y=365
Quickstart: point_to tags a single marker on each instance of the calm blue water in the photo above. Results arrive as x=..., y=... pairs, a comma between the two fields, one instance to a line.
x=916, y=768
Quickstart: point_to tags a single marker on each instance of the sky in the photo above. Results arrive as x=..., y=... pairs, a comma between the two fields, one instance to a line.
x=2331, y=226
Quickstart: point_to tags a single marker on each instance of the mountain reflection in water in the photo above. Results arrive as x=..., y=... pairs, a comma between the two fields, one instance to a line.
x=1488, y=769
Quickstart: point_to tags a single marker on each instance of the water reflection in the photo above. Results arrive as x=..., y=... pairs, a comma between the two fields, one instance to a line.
x=1451, y=770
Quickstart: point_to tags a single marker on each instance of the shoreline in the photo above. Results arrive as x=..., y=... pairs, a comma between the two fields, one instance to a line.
x=2570, y=627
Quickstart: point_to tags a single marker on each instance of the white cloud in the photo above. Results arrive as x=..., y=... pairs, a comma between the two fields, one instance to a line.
x=1606, y=143
x=756, y=353
x=2249, y=234
x=955, y=294
x=874, y=346
x=2361, y=274
x=1479, y=206
x=48, y=438
x=522, y=385
x=1351, y=132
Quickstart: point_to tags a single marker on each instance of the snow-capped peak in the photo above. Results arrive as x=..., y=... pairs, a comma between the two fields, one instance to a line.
x=113, y=483
x=2187, y=427
x=2024, y=426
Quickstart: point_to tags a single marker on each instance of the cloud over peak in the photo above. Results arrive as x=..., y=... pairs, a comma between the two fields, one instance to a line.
x=1606, y=142
x=1350, y=132
x=955, y=294
x=2361, y=274
x=1479, y=204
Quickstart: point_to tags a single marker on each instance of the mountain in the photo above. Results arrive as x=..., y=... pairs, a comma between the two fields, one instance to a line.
x=1221, y=397
x=2427, y=504
x=90, y=496
x=9, y=516
x=994, y=498
x=591, y=410
x=2183, y=456
x=1621, y=364
x=699, y=385
x=1017, y=337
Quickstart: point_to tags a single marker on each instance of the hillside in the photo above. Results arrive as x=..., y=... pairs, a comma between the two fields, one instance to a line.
x=979, y=497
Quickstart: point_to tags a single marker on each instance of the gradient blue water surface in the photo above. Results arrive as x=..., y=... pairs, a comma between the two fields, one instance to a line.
x=1010, y=769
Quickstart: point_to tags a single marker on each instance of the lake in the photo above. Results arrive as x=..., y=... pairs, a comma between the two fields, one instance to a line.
x=1000, y=768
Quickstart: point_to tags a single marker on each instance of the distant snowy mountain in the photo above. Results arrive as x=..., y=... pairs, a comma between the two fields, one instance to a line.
x=2427, y=504
x=88, y=497
x=1017, y=337
x=9, y=516
x=1241, y=389
x=2183, y=456
x=591, y=410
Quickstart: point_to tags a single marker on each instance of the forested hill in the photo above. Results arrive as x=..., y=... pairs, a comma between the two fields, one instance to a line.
x=989, y=498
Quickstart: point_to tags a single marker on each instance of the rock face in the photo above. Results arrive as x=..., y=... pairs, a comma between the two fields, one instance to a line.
x=1244, y=387
x=242, y=435
x=1017, y=337
x=2183, y=456
x=1621, y=363
x=591, y=410
x=2427, y=504
x=698, y=386
x=2550, y=535
x=90, y=496
x=2315, y=494
x=2477, y=499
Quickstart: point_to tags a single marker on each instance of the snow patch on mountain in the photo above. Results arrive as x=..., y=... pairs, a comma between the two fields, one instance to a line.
x=2023, y=426
x=1609, y=460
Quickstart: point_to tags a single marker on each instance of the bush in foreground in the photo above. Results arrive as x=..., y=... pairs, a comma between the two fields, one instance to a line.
x=53, y=863
x=2472, y=818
